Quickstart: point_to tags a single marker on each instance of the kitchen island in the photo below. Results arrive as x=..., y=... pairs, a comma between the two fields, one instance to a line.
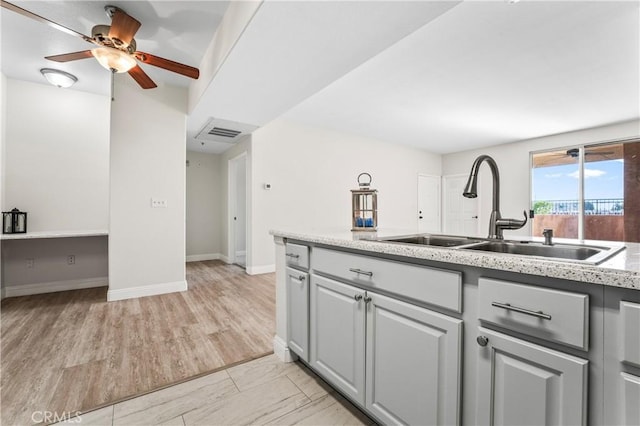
x=431, y=335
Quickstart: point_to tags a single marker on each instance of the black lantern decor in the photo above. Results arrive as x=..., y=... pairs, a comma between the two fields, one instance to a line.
x=14, y=222
x=364, y=201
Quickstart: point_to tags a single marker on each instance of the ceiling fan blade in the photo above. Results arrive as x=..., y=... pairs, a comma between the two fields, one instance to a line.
x=39, y=18
x=66, y=57
x=123, y=26
x=142, y=78
x=168, y=64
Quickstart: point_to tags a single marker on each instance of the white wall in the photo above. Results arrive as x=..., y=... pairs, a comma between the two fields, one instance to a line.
x=147, y=245
x=57, y=156
x=513, y=164
x=3, y=135
x=204, y=207
x=311, y=172
x=3, y=138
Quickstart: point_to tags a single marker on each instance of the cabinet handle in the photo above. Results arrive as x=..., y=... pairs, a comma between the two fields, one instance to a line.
x=358, y=297
x=367, y=299
x=292, y=255
x=510, y=307
x=482, y=340
x=361, y=272
x=297, y=277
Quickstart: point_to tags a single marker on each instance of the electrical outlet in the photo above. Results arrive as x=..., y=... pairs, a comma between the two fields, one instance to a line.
x=71, y=259
x=157, y=203
x=30, y=262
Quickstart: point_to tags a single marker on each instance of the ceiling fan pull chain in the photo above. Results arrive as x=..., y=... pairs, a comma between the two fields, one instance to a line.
x=113, y=77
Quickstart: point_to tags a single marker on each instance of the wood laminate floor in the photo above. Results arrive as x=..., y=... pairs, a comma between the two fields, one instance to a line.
x=73, y=351
x=261, y=392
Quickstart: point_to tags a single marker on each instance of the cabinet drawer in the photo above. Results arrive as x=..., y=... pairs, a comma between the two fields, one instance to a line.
x=630, y=317
x=429, y=285
x=297, y=255
x=549, y=314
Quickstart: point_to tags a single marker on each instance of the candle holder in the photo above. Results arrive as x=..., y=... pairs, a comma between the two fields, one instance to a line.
x=364, y=205
x=14, y=222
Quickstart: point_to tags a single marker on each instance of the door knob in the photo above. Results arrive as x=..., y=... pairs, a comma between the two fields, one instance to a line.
x=482, y=340
x=358, y=297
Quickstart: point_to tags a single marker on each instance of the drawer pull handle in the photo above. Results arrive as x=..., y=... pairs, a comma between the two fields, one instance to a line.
x=293, y=256
x=509, y=307
x=358, y=297
x=361, y=272
x=297, y=277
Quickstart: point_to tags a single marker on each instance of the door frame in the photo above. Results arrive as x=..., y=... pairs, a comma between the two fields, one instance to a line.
x=232, y=198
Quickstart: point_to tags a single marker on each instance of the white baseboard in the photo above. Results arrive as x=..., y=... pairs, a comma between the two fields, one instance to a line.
x=281, y=350
x=206, y=256
x=54, y=286
x=241, y=253
x=225, y=259
x=146, y=290
x=263, y=269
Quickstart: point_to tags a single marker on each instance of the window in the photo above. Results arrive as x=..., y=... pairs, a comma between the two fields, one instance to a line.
x=588, y=192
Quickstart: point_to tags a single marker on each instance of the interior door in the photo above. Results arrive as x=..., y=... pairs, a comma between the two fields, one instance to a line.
x=429, y=204
x=460, y=214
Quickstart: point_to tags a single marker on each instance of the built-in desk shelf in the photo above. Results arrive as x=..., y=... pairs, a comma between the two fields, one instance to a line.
x=55, y=234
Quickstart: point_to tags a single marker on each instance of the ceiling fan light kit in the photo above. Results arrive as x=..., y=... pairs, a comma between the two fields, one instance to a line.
x=59, y=78
x=114, y=59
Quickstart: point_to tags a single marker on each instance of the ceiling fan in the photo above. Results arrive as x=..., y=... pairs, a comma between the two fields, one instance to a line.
x=575, y=152
x=115, y=46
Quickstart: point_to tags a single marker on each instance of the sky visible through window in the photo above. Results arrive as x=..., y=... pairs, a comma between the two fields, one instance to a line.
x=603, y=179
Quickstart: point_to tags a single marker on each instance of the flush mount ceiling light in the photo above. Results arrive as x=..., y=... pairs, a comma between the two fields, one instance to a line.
x=114, y=59
x=58, y=78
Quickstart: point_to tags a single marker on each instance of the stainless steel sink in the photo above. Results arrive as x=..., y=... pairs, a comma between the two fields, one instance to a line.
x=433, y=240
x=562, y=251
x=592, y=254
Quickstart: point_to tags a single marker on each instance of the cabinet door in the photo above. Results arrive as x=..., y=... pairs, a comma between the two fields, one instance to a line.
x=337, y=335
x=298, y=312
x=523, y=383
x=630, y=399
x=413, y=363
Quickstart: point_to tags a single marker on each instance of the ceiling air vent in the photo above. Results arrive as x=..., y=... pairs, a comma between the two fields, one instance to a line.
x=226, y=133
x=218, y=130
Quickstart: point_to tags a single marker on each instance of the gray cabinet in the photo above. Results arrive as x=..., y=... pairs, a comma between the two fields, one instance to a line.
x=297, y=289
x=622, y=357
x=298, y=312
x=411, y=373
x=413, y=363
x=519, y=381
x=337, y=335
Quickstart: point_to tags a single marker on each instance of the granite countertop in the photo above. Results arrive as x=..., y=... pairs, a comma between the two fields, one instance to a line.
x=622, y=270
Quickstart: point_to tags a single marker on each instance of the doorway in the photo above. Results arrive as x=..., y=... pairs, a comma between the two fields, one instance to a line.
x=238, y=210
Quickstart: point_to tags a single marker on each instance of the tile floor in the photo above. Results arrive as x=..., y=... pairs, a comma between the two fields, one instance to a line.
x=263, y=391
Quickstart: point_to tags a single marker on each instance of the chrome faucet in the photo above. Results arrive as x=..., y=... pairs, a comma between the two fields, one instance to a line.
x=496, y=222
x=548, y=237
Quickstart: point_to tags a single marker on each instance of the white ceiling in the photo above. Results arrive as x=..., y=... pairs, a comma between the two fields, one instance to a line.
x=443, y=76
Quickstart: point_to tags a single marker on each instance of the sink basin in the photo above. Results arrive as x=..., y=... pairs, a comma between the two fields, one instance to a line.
x=432, y=240
x=592, y=254
x=585, y=253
